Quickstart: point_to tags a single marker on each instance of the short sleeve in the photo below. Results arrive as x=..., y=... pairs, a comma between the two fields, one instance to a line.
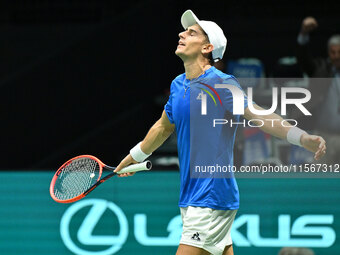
x=168, y=108
x=227, y=97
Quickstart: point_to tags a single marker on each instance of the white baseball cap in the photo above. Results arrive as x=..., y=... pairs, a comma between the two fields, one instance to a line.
x=214, y=32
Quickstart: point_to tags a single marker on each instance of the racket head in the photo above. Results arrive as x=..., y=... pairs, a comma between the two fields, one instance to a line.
x=73, y=179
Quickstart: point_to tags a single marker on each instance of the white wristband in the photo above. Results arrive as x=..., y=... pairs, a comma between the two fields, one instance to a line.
x=294, y=135
x=137, y=153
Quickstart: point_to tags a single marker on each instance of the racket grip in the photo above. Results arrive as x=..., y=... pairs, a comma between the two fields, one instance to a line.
x=146, y=165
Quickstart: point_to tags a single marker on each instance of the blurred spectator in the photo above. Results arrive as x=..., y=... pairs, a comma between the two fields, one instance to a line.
x=325, y=102
x=295, y=251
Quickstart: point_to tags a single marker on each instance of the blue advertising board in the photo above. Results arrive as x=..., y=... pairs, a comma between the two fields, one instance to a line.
x=140, y=215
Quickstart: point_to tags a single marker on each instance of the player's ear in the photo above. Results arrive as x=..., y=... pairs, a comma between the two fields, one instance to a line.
x=207, y=48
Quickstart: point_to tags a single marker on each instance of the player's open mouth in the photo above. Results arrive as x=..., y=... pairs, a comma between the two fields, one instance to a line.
x=181, y=43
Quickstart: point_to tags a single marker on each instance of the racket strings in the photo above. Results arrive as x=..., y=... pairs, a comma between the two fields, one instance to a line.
x=76, y=177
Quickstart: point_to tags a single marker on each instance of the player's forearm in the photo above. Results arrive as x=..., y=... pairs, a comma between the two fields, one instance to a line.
x=155, y=137
x=273, y=125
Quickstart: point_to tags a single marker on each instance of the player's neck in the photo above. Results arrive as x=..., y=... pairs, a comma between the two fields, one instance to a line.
x=194, y=69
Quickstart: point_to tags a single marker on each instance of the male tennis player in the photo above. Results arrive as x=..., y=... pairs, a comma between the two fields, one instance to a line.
x=208, y=205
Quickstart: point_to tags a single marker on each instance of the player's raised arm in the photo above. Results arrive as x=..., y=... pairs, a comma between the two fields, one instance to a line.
x=294, y=135
x=156, y=136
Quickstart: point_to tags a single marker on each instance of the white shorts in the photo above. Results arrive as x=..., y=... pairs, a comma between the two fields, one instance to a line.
x=207, y=228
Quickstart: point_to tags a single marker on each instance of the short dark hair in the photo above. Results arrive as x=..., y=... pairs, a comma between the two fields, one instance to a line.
x=211, y=60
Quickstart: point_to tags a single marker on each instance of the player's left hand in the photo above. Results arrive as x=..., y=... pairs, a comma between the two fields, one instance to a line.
x=314, y=144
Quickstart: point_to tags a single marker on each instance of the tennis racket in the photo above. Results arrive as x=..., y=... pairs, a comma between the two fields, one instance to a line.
x=77, y=177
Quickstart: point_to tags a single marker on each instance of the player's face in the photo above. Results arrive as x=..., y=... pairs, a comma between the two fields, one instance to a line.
x=191, y=42
x=334, y=55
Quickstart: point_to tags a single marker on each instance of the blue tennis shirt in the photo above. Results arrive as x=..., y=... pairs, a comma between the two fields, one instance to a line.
x=200, y=144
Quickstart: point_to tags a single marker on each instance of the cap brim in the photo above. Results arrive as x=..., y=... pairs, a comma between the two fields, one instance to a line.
x=188, y=19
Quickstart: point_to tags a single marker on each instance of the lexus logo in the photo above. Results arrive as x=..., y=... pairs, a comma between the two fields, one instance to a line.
x=85, y=234
x=79, y=237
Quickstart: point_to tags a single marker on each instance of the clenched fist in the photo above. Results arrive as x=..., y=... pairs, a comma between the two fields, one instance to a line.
x=308, y=25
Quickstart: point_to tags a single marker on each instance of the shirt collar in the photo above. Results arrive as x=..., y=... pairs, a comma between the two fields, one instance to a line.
x=203, y=75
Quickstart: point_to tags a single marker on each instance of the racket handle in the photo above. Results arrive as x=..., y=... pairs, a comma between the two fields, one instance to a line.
x=136, y=167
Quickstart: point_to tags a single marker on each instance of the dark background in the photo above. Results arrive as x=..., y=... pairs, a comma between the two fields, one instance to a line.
x=91, y=77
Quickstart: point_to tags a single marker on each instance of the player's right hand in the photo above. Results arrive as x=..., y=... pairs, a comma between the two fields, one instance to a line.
x=128, y=160
x=308, y=25
x=314, y=144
